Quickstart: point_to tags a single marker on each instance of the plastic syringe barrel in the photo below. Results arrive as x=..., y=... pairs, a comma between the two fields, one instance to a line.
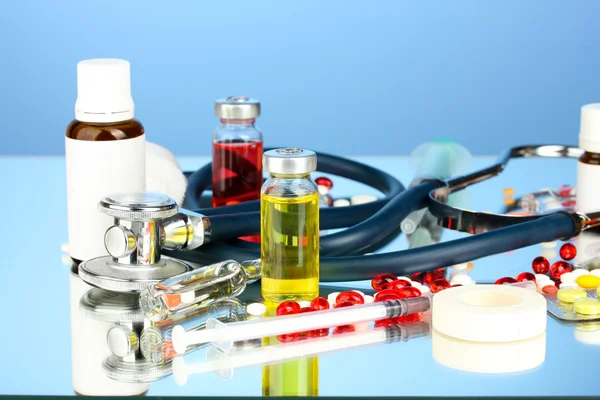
x=224, y=335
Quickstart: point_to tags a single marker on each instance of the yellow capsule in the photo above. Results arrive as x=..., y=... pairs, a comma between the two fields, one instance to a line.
x=588, y=281
x=587, y=306
x=508, y=191
x=570, y=294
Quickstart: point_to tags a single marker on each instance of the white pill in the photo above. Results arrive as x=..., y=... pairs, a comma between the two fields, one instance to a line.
x=595, y=272
x=424, y=289
x=404, y=278
x=577, y=272
x=415, y=283
x=362, y=199
x=461, y=279
x=541, y=277
x=548, y=245
x=64, y=247
x=549, y=254
x=323, y=189
x=460, y=267
x=304, y=304
x=187, y=297
x=368, y=299
x=568, y=277
x=341, y=203
x=256, y=309
x=331, y=298
x=568, y=284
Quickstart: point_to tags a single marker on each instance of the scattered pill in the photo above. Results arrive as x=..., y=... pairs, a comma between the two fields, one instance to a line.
x=587, y=306
x=559, y=268
x=540, y=265
x=567, y=251
x=548, y=253
x=331, y=298
x=341, y=203
x=508, y=191
x=568, y=277
x=580, y=271
x=525, y=276
x=256, y=309
x=588, y=281
x=368, y=299
x=548, y=289
x=570, y=284
x=461, y=267
x=350, y=297
x=570, y=294
x=380, y=280
x=461, y=279
x=320, y=303
x=506, y=279
x=541, y=277
x=548, y=245
x=362, y=199
x=304, y=304
x=424, y=289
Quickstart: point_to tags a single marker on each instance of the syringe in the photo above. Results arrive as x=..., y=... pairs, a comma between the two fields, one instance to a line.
x=223, y=364
x=224, y=335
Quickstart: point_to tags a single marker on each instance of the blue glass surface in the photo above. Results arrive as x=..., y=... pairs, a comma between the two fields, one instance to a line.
x=41, y=310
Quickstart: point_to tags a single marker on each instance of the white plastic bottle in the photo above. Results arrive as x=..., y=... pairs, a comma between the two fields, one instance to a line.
x=105, y=152
x=588, y=179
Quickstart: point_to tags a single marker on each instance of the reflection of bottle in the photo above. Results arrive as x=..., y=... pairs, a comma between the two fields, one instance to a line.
x=298, y=377
x=89, y=350
x=105, y=151
x=289, y=226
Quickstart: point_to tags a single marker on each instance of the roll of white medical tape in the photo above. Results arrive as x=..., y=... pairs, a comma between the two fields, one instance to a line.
x=489, y=313
x=488, y=358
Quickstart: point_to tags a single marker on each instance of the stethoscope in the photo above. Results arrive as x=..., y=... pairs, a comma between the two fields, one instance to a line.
x=172, y=238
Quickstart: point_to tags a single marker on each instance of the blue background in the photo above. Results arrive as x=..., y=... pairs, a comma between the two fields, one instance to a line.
x=348, y=77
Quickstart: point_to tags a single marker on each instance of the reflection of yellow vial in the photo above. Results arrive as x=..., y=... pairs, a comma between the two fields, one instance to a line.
x=298, y=378
x=289, y=227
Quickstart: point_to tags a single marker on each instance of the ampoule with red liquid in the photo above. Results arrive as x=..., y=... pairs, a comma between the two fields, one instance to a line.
x=237, y=153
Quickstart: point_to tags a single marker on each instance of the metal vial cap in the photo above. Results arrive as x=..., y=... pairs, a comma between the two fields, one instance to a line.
x=290, y=161
x=237, y=107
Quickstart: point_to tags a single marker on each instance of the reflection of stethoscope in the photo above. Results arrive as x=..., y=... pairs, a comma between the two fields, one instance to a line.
x=209, y=235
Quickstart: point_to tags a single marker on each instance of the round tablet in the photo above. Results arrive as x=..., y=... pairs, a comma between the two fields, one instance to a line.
x=362, y=199
x=595, y=272
x=541, y=278
x=570, y=294
x=568, y=277
x=256, y=309
x=461, y=279
x=303, y=304
x=588, y=281
x=587, y=306
x=548, y=245
x=341, y=203
x=368, y=298
x=331, y=298
x=580, y=272
x=404, y=278
x=569, y=285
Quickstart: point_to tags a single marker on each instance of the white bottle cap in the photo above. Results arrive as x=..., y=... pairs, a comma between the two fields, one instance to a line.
x=589, y=131
x=103, y=91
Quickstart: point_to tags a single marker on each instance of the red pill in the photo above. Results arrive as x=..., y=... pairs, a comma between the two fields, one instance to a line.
x=382, y=323
x=326, y=182
x=432, y=276
x=318, y=333
x=389, y=294
x=350, y=297
x=540, y=265
x=408, y=291
x=305, y=309
x=525, y=276
x=559, y=268
x=506, y=279
x=400, y=283
x=548, y=289
x=288, y=337
x=287, y=307
x=564, y=190
x=438, y=285
x=406, y=319
x=319, y=303
x=343, y=329
x=567, y=251
x=343, y=304
x=440, y=270
x=381, y=279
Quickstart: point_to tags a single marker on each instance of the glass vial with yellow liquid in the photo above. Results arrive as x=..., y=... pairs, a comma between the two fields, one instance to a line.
x=289, y=208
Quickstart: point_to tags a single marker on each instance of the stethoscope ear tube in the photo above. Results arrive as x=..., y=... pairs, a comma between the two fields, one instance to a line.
x=562, y=225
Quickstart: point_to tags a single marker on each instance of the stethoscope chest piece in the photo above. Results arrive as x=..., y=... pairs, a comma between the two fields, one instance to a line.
x=134, y=244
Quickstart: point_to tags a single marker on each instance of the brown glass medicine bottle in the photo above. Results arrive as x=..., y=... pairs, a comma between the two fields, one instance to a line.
x=105, y=150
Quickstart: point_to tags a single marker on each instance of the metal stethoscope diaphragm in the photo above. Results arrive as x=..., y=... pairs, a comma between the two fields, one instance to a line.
x=144, y=225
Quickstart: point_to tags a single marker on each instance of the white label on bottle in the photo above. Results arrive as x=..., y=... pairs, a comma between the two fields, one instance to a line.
x=96, y=170
x=587, y=200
